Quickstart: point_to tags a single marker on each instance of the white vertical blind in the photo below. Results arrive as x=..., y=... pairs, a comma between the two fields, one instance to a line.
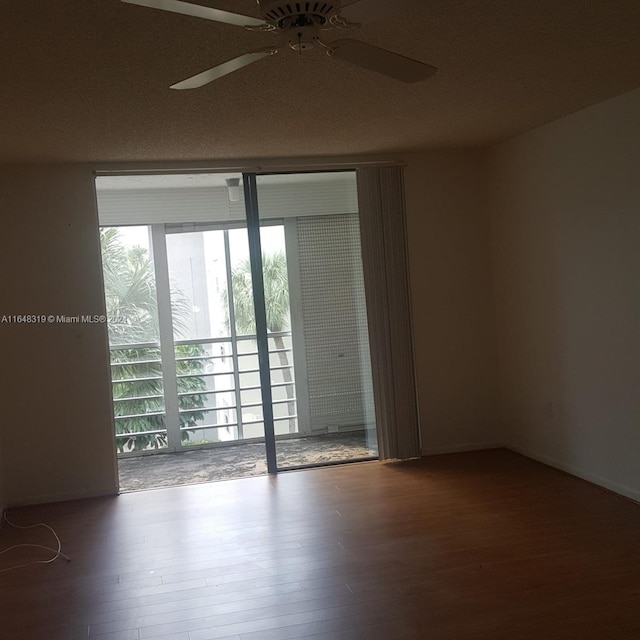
x=386, y=278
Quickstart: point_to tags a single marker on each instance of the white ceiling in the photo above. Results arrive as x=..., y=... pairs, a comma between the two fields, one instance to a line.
x=87, y=80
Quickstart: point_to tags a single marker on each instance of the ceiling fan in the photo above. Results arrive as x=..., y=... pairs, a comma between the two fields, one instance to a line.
x=300, y=26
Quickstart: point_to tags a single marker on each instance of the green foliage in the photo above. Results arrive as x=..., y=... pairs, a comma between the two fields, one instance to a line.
x=131, y=303
x=130, y=291
x=138, y=395
x=276, y=294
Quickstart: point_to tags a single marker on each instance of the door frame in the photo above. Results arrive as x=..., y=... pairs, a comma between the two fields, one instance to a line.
x=253, y=224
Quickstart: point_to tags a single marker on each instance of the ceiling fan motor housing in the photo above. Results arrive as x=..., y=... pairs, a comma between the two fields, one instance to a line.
x=284, y=14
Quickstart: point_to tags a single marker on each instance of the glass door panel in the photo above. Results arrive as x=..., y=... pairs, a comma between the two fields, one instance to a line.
x=278, y=330
x=250, y=400
x=205, y=343
x=134, y=342
x=276, y=290
x=191, y=366
x=321, y=385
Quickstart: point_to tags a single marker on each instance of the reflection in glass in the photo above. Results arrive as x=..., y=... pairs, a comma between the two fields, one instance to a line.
x=325, y=412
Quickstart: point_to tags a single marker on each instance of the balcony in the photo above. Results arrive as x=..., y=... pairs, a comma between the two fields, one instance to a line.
x=242, y=459
x=216, y=431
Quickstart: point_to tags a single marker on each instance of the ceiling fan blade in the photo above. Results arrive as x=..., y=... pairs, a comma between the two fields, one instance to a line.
x=198, y=11
x=223, y=69
x=365, y=11
x=385, y=62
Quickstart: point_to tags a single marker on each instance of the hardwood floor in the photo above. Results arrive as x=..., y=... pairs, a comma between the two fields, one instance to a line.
x=465, y=546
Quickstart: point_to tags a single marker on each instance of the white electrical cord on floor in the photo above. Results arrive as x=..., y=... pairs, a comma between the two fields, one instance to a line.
x=58, y=552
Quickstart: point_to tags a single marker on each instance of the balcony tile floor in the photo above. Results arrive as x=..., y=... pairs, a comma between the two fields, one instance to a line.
x=238, y=461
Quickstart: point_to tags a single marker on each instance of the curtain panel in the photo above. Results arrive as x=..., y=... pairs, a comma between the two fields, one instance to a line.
x=386, y=278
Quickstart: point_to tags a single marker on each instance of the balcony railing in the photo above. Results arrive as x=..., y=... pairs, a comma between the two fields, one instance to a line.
x=218, y=392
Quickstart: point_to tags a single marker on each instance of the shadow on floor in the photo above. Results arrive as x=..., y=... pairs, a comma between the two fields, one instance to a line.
x=238, y=461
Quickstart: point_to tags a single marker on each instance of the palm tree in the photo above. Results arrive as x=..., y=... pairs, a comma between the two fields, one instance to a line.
x=131, y=303
x=276, y=295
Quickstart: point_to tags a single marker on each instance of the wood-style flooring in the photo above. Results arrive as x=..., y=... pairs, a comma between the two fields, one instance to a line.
x=486, y=545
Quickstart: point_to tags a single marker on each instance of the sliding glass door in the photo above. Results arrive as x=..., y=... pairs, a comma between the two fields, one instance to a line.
x=226, y=329
x=317, y=261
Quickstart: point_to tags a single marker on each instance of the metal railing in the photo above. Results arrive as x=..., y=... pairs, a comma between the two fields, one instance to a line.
x=215, y=391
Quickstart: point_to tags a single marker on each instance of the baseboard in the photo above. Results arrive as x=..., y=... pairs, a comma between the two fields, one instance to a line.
x=62, y=497
x=605, y=483
x=461, y=448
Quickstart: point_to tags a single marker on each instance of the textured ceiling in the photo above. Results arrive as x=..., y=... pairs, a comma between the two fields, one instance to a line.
x=88, y=80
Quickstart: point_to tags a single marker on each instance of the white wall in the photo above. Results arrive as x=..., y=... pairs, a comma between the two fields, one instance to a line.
x=56, y=421
x=565, y=203
x=57, y=427
x=452, y=297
